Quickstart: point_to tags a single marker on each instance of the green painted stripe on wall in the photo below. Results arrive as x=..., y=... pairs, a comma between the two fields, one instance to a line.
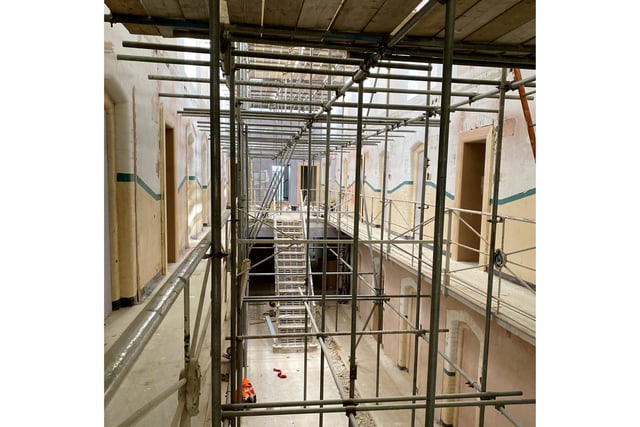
x=449, y=373
x=124, y=177
x=433, y=185
x=197, y=180
x=515, y=197
x=397, y=187
x=504, y=201
x=148, y=189
x=376, y=190
x=129, y=177
x=184, y=179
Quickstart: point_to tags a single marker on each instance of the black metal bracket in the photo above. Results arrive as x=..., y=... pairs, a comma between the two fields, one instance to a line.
x=498, y=220
x=499, y=258
x=353, y=373
x=349, y=407
x=221, y=254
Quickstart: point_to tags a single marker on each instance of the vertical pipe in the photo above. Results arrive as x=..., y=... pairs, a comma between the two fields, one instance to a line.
x=325, y=232
x=241, y=321
x=389, y=226
x=244, y=317
x=186, y=324
x=243, y=169
x=216, y=250
x=380, y=290
x=353, y=373
x=447, y=269
x=441, y=187
x=240, y=182
x=504, y=230
x=416, y=342
x=235, y=297
x=247, y=169
x=340, y=278
x=244, y=324
x=185, y=419
x=308, y=245
x=492, y=243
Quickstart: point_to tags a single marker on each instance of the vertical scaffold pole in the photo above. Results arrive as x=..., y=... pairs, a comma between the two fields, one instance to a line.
x=235, y=297
x=216, y=216
x=309, y=281
x=383, y=202
x=340, y=278
x=441, y=187
x=492, y=243
x=325, y=233
x=353, y=370
x=416, y=342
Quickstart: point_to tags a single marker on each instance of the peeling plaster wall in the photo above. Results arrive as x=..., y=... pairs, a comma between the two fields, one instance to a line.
x=517, y=176
x=512, y=361
x=139, y=159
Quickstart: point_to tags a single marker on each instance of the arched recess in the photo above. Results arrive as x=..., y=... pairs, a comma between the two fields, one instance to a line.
x=169, y=183
x=120, y=198
x=344, y=182
x=111, y=267
x=464, y=346
x=417, y=156
x=194, y=192
x=378, y=206
x=206, y=175
x=408, y=290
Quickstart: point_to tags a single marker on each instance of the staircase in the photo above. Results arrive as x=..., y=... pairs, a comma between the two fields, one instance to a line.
x=290, y=275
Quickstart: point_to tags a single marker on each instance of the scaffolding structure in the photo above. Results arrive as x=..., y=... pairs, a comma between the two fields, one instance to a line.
x=284, y=113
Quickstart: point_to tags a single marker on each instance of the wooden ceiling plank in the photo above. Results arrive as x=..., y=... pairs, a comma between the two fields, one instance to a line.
x=520, y=35
x=245, y=12
x=163, y=8
x=355, y=15
x=135, y=8
x=317, y=15
x=390, y=15
x=142, y=29
x=504, y=23
x=125, y=7
x=282, y=13
x=195, y=9
x=478, y=15
x=433, y=22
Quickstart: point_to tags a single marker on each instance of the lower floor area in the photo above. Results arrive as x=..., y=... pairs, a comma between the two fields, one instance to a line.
x=284, y=380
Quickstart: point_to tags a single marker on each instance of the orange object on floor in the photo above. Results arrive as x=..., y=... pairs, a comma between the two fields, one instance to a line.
x=248, y=393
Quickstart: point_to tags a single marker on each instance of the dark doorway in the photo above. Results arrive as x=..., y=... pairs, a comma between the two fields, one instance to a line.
x=471, y=199
x=171, y=195
x=308, y=182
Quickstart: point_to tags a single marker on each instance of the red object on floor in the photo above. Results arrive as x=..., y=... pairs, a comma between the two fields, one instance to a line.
x=280, y=374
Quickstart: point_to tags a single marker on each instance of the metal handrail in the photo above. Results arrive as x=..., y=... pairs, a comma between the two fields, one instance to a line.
x=451, y=272
x=124, y=352
x=122, y=355
x=405, y=228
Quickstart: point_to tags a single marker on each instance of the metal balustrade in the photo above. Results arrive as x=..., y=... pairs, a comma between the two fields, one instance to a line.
x=514, y=262
x=123, y=354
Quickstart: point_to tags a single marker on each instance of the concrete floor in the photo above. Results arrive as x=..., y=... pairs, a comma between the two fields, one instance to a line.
x=160, y=364
x=159, y=367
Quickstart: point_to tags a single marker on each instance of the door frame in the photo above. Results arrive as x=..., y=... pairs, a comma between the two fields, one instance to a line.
x=111, y=199
x=484, y=135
